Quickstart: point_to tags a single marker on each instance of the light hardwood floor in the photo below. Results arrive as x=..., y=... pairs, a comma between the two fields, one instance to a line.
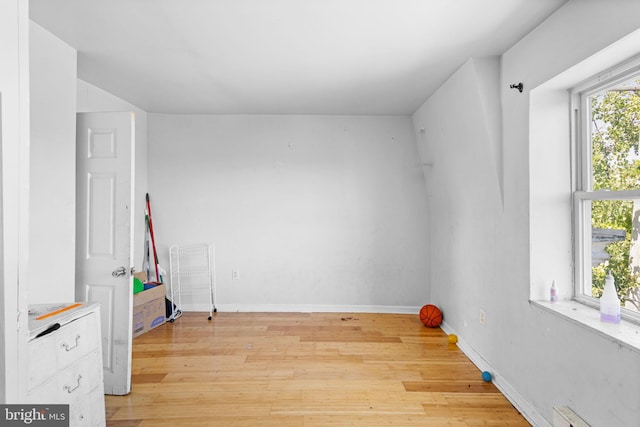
x=305, y=369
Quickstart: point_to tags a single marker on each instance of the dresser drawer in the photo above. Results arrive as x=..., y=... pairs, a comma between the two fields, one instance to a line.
x=79, y=379
x=75, y=340
x=70, y=384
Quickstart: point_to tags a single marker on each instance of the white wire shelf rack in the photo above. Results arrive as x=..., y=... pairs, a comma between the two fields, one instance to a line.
x=193, y=275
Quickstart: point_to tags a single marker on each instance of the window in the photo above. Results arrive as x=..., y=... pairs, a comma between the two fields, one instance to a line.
x=606, y=186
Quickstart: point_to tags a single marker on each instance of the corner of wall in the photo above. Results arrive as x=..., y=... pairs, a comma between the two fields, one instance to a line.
x=487, y=74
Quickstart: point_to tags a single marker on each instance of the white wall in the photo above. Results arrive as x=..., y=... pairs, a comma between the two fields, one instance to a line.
x=93, y=99
x=14, y=94
x=464, y=186
x=316, y=212
x=53, y=67
x=481, y=258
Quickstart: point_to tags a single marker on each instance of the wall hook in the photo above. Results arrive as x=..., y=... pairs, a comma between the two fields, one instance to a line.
x=518, y=86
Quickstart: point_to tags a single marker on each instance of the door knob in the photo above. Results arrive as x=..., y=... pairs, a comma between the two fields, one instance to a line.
x=119, y=272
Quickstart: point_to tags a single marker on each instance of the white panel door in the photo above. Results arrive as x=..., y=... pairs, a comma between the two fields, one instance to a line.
x=105, y=159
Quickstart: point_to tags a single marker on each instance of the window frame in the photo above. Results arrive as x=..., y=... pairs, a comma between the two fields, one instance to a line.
x=582, y=193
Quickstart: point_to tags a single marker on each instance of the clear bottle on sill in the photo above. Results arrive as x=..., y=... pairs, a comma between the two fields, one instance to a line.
x=609, y=301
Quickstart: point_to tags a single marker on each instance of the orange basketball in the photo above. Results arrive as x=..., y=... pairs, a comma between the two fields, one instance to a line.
x=431, y=316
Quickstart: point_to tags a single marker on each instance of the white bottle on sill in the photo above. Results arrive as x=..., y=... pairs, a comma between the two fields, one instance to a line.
x=553, y=297
x=609, y=301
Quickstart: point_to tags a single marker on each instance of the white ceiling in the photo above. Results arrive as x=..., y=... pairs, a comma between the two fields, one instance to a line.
x=282, y=56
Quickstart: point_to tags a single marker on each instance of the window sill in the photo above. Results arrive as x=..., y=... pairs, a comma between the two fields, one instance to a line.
x=625, y=333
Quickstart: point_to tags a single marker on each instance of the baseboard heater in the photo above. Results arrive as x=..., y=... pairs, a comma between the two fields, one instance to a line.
x=565, y=417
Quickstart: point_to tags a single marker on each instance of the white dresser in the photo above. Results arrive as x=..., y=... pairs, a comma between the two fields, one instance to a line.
x=65, y=360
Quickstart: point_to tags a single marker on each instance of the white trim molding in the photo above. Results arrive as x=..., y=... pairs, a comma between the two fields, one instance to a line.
x=521, y=404
x=304, y=308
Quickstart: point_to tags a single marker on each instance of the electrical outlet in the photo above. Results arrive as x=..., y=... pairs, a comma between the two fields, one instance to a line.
x=235, y=274
x=483, y=317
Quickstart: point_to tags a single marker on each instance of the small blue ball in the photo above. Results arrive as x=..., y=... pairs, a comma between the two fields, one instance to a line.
x=486, y=376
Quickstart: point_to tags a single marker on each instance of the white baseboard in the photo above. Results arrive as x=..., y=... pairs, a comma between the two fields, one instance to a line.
x=303, y=308
x=530, y=413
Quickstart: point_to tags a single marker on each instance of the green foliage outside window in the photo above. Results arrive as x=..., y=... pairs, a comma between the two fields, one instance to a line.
x=616, y=166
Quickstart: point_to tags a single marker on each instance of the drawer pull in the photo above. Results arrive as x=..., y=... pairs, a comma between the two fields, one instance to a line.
x=70, y=389
x=68, y=347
